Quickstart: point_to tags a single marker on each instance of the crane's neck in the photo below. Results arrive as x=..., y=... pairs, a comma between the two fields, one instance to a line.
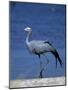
x=28, y=37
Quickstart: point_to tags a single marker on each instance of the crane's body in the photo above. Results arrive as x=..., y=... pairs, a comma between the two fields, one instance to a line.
x=40, y=47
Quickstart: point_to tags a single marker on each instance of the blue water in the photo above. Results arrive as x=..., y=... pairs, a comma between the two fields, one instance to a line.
x=48, y=23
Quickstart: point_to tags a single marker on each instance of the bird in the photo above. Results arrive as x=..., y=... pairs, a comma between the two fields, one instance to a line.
x=39, y=47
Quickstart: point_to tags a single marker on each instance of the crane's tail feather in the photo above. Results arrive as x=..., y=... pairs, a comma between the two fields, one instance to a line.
x=55, y=53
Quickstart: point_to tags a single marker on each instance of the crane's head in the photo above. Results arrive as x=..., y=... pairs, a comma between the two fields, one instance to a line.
x=28, y=29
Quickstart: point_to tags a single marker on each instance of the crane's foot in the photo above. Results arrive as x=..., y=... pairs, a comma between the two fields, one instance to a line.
x=41, y=76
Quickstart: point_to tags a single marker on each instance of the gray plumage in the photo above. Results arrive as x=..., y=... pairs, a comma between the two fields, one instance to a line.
x=40, y=47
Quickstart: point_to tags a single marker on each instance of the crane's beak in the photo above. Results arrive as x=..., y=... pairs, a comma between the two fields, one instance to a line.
x=25, y=29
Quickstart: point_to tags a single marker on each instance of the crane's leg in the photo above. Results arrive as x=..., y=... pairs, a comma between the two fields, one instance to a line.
x=39, y=55
x=41, y=70
x=41, y=76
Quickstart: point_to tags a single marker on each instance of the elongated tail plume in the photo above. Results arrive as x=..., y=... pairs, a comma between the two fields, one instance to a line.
x=55, y=53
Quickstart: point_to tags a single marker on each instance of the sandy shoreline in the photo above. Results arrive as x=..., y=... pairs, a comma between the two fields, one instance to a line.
x=37, y=82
